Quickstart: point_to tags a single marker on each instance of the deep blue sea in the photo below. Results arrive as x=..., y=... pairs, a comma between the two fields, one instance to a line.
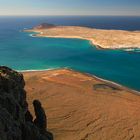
x=21, y=51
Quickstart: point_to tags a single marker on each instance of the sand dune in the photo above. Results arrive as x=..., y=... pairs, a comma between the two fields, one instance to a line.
x=81, y=107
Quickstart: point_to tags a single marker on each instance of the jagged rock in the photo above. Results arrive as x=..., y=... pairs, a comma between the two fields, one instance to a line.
x=16, y=122
x=28, y=117
x=40, y=120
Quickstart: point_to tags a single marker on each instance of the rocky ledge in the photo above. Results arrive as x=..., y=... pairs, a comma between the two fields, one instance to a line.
x=16, y=122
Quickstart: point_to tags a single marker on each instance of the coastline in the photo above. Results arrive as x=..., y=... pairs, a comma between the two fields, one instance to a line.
x=86, y=74
x=61, y=32
x=98, y=46
x=71, y=37
x=76, y=37
x=78, y=104
x=100, y=38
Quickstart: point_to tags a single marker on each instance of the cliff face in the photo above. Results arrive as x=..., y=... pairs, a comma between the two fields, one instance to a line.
x=16, y=122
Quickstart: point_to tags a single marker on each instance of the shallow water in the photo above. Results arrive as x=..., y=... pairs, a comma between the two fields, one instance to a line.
x=22, y=52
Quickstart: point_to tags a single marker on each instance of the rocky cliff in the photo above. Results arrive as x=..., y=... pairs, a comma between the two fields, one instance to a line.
x=16, y=122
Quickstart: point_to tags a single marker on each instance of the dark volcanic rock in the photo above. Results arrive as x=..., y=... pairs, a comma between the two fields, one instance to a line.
x=40, y=120
x=16, y=122
x=44, y=26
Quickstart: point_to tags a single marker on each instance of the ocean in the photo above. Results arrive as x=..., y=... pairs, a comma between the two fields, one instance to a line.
x=21, y=51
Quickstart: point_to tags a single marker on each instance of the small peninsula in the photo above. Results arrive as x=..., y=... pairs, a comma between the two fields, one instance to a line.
x=105, y=39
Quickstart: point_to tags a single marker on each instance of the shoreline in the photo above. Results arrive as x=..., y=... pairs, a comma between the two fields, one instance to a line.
x=77, y=104
x=99, y=38
x=40, y=70
x=55, y=32
x=91, y=41
x=81, y=38
x=71, y=37
x=86, y=74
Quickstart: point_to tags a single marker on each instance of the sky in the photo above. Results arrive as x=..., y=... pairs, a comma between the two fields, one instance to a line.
x=70, y=7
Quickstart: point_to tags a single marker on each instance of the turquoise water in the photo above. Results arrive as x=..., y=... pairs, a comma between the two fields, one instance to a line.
x=21, y=51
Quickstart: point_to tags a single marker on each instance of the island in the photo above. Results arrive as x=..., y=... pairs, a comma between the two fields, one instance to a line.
x=101, y=38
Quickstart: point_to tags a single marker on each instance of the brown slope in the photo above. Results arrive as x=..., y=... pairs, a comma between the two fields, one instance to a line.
x=81, y=107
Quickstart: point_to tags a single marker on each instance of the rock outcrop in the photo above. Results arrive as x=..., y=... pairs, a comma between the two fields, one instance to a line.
x=44, y=26
x=16, y=122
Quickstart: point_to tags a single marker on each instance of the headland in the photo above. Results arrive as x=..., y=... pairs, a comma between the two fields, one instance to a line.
x=80, y=106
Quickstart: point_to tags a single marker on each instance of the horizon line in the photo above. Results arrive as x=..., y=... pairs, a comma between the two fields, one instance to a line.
x=73, y=15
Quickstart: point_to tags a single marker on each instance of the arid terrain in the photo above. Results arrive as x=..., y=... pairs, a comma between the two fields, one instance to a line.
x=82, y=107
x=105, y=39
